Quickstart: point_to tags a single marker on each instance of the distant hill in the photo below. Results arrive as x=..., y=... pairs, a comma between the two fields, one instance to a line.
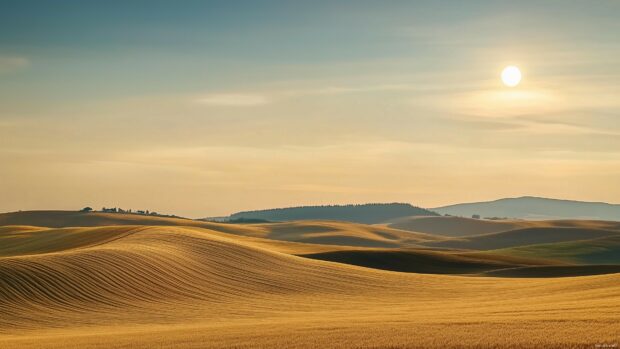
x=604, y=250
x=57, y=219
x=455, y=226
x=336, y=233
x=535, y=208
x=523, y=237
x=548, y=271
x=366, y=213
x=309, y=231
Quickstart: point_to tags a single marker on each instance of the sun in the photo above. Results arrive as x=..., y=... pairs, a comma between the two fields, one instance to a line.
x=511, y=76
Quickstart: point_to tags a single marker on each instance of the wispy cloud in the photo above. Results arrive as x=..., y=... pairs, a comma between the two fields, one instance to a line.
x=233, y=99
x=344, y=89
x=249, y=99
x=12, y=63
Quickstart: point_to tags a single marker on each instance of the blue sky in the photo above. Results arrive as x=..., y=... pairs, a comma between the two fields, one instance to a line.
x=322, y=102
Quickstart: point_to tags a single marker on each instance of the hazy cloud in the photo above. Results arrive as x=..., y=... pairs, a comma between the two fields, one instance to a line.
x=12, y=63
x=233, y=100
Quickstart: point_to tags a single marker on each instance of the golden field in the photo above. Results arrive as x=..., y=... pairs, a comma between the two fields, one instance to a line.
x=174, y=283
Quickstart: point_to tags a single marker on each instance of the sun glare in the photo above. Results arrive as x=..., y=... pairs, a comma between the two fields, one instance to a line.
x=511, y=76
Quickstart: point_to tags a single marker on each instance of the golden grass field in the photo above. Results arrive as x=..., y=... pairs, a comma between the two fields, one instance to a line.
x=173, y=283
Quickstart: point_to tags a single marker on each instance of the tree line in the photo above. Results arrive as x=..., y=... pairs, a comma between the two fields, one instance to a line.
x=130, y=211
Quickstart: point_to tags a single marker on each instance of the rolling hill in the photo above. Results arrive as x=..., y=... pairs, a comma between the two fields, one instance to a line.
x=455, y=226
x=426, y=261
x=340, y=233
x=366, y=213
x=192, y=287
x=535, y=208
x=59, y=219
x=555, y=271
x=522, y=237
x=604, y=250
x=315, y=232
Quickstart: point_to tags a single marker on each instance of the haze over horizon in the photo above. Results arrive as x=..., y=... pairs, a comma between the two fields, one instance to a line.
x=209, y=108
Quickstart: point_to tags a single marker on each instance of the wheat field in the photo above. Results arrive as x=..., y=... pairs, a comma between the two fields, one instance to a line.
x=192, y=287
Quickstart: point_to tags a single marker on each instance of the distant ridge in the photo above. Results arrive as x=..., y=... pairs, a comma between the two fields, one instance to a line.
x=363, y=213
x=535, y=208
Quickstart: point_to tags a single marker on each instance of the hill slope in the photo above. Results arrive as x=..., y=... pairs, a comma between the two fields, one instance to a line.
x=426, y=261
x=555, y=271
x=451, y=226
x=59, y=219
x=528, y=207
x=340, y=233
x=522, y=237
x=315, y=232
x=128, y=267
x=367, y=213
x=455, y=226
x=195, y=288
x=595, y=251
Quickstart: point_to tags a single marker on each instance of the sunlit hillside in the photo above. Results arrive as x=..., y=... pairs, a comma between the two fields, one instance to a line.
x=224, y=285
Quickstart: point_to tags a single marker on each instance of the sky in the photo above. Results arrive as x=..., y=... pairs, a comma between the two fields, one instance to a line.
x=204, y=108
